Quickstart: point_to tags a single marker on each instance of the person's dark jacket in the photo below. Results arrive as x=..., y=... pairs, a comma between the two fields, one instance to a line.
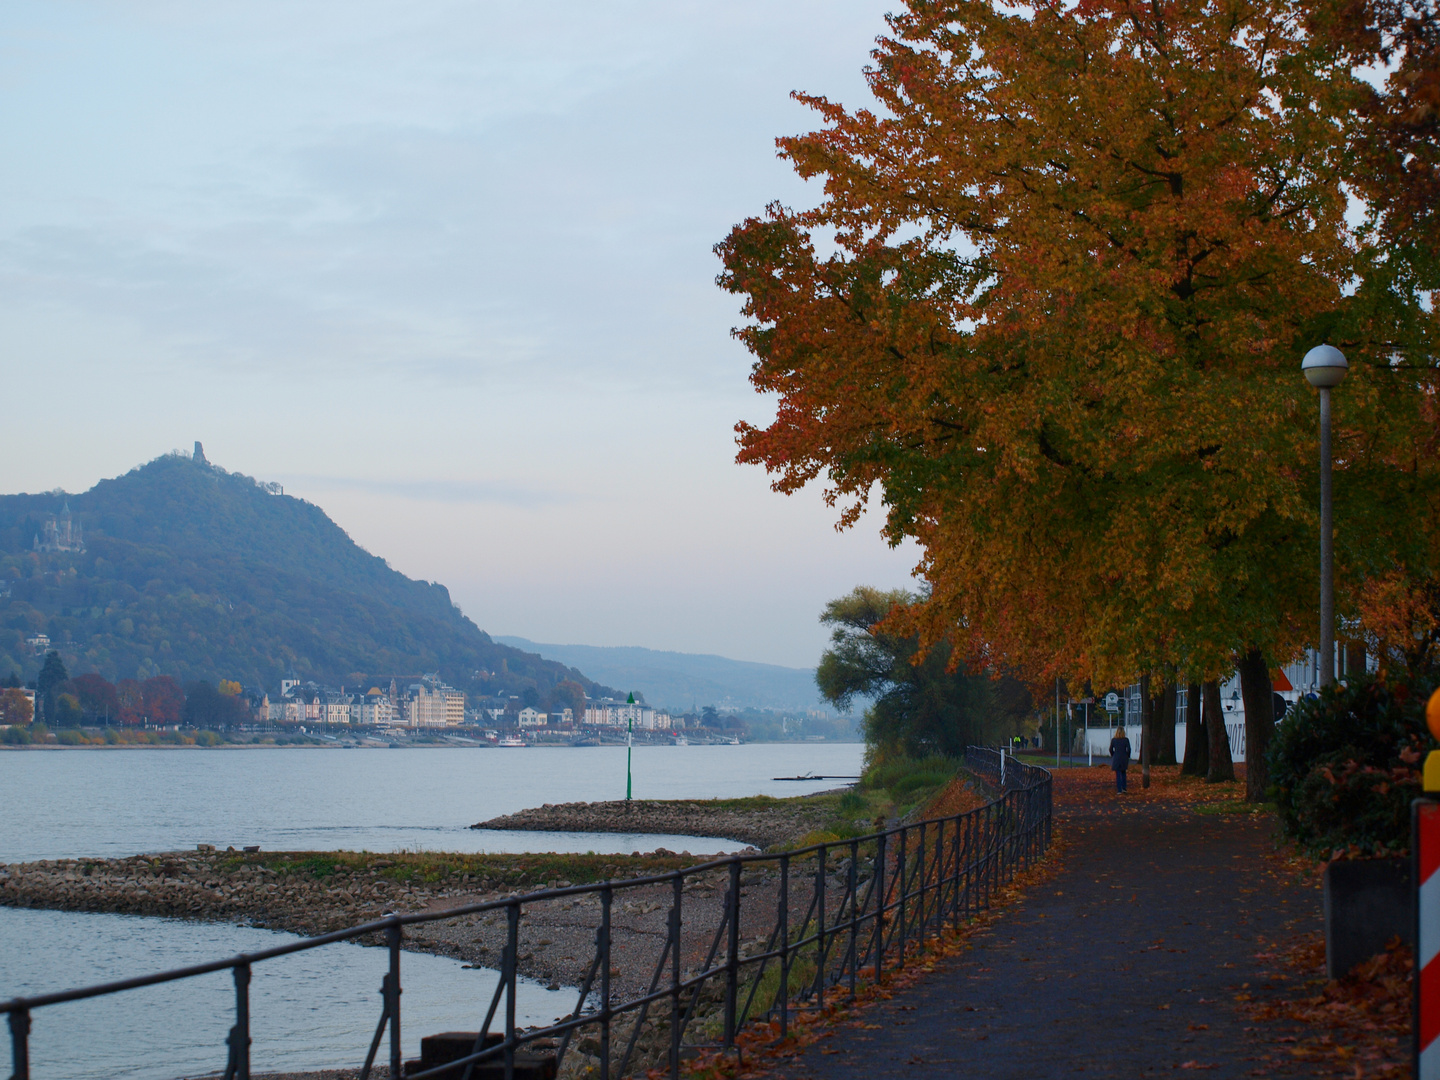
x=1119, y=753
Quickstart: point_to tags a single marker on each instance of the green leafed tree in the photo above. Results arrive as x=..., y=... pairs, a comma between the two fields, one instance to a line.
x=52, y=676
x=918, y=708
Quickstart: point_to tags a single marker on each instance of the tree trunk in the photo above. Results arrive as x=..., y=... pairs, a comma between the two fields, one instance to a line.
x=1165, y=724
x=1197, y=746
x=1257, y=693
x=1147, y=730
x=1352, y=659
x=1221, y=766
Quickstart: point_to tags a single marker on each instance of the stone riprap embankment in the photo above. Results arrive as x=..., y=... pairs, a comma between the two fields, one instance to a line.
x=762, y=824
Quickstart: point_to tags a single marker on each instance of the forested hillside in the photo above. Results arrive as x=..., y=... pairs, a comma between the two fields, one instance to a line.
x=192, y=571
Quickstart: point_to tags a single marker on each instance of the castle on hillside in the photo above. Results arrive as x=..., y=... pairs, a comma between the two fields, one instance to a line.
x=60, y=534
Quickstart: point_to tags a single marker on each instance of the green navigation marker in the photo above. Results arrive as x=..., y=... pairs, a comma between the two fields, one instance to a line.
x=629, y=743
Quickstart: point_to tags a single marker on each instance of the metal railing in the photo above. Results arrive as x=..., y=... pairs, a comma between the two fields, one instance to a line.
x=832, y=916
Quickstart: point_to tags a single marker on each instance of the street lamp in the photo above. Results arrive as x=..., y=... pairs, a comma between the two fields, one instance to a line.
x=629, y=745
x=1325, y=367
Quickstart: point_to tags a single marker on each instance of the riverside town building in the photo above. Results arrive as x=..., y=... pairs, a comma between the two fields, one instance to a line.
x=425, y=702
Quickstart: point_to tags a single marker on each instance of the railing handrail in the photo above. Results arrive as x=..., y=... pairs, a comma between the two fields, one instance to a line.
x=1013, y=778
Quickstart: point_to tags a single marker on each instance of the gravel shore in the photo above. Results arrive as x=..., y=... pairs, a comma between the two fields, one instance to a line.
x=556, y=937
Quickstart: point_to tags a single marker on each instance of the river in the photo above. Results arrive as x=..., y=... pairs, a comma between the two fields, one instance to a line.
x=315, y=1009
x=118, y=802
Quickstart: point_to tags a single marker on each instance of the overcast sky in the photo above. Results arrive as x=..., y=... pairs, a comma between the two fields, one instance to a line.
x=443, y=269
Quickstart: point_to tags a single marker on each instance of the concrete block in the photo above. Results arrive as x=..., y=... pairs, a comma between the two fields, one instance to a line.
x=437, y=1050
x=1367, y=903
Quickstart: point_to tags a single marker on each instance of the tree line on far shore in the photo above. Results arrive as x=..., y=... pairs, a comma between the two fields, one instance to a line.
x=92, y=700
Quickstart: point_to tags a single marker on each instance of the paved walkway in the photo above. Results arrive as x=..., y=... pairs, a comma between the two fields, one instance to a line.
x=1126, y=963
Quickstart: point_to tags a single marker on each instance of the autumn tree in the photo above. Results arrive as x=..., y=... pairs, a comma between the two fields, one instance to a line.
x=131, y=699
x=15, y=708
x=97, y=697
x=1052, y=306
x=1399, y=143
x=162, y=700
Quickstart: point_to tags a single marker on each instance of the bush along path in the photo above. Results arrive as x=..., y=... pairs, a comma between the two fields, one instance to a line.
x=1148, y=949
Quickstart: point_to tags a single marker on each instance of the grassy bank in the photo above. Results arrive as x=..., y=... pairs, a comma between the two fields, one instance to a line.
x=890, y=791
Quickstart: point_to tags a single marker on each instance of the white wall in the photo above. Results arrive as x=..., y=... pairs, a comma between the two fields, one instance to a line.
x=1100, y=738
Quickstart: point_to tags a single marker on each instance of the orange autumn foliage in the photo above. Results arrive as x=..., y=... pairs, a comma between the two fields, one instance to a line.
x=1053, y=304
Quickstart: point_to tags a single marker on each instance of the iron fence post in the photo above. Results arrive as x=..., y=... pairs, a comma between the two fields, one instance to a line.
x=854, y=887
x=239, y=1039
x=982, y=892
x=820, y=942
x=20, y=1043
x=675, y=925
x=512, y=978
x=922, y=871
x=940, y=882
x=607, y=896
x=955, y=890
x=392, y=939
x=904, y=882
x=784, y=915
x=967, y=863
x=879, y=906
x=732, y=953
x=1017, y=856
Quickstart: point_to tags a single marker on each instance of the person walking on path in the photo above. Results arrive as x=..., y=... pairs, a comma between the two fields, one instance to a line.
x=1120, y=757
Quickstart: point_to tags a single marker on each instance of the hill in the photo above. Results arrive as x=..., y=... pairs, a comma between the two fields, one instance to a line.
x=675, y=680
x=192, y=571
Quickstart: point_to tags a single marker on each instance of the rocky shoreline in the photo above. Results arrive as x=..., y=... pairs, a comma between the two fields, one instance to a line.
x=761, y=823
x=556, y=937
x=211, y=886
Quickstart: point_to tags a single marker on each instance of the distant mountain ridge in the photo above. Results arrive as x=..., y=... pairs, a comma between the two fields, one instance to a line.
x=192, y=571
x=676, y=680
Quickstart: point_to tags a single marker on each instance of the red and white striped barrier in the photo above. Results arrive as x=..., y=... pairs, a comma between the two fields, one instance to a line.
x=1427, y=939
x=1425, y=860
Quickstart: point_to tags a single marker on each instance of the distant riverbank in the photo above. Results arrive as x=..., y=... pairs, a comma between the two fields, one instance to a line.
x=368, y=743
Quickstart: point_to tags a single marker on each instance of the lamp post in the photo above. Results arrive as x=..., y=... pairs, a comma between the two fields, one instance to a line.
x=1325, y=367
x=629, y=745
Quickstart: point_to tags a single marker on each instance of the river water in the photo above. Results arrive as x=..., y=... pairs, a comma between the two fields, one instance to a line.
x=316, y=1009
x=117, y=802
x=308, y=1010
